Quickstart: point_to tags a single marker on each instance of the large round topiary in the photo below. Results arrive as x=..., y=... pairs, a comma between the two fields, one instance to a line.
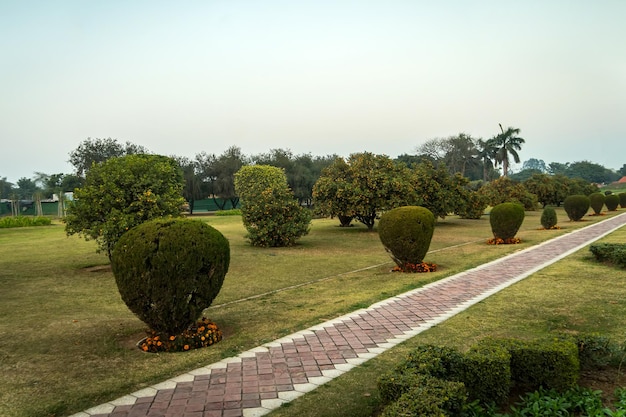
x=622, y=199
x=548, y=218
x=576, y=206
x=506, y=219
x=596, y=201
x=611, y=202
x=169, y=271
x=406, y=232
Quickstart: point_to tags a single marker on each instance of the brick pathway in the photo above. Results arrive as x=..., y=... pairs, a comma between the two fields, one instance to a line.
x=261, y=379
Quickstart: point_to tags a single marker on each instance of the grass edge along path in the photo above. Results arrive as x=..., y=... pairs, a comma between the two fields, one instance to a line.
x=345, y=342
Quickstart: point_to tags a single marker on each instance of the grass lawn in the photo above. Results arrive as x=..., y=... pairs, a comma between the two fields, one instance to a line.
x=67, y=339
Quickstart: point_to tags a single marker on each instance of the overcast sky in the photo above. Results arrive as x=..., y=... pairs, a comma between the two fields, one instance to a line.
x=182, y=77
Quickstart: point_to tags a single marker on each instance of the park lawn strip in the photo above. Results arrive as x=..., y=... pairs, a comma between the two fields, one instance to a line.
x=68, y=339
x=575, y=295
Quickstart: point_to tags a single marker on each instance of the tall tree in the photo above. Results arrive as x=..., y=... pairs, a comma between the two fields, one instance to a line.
x=536, y=164
x=222, y=173
x=487, y=150
x=95, y=151
x=6, y=188
x=462, y=153
x=508, y=143
x=26, y=188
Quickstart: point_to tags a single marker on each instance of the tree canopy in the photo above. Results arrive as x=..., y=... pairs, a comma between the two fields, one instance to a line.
x=124, y=192
x=94, y=151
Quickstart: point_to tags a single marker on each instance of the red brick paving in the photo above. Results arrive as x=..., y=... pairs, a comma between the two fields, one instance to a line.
x=262, y=379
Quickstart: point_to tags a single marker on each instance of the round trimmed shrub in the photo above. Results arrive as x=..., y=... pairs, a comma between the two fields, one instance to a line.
x=611, y=202
x=576, y=206
x=548, y=218
x=622, y=199
x=506, y=219
x=169, y=271
x=596, y=201
x=406, y=232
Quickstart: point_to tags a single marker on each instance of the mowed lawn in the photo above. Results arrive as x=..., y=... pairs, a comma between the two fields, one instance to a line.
x=67, y=341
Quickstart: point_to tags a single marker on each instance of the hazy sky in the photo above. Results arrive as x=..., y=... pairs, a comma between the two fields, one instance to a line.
x=182, y=77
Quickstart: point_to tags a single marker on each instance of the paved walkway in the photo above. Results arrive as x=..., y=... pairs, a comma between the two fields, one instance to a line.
x=261, y=379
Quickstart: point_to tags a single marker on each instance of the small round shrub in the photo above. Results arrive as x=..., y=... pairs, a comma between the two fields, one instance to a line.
x=506, y=219
x=576, y=206
x=596, y=201
x=622, y=199
x=611, y=202
x=548, y=218
x=169, y=271
x=406, y=232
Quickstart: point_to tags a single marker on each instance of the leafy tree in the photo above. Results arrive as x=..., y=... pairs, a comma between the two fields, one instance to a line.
x=548, y=189
x=535, y=164
x=462, y=154
x=124, y=192
x=192, y=189
x=507, y=143
x=524, y=174
x=6, y=188
x=557, y=168
x=96, y=151
x=26, y=188
x=362, y=187
x=591, y=172
x=505, y=190
x=622, y=170
x=270, y=213
x=219, y=174
x=487, y=150
x=57, y=183
x=437, y=190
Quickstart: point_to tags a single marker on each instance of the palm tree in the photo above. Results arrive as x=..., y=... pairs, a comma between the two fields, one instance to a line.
x=487, y=153
x=507, y=143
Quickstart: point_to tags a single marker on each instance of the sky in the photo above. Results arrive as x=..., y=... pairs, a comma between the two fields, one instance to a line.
x=320, y=77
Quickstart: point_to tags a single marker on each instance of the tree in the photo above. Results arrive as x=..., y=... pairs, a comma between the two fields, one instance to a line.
x=507, y=144
x=487, y=150
x=270, y=213
x=622, y=170
x=6, y=188
x=192, y=189
x=362, y=187
x=535, y=164
x=591, y=172
x=26, y=188
x=95, y=151
x=557, y=168
x=462, y=154
x=437, y=190
x=223, y=174
x=548, y=189
x=124, y=192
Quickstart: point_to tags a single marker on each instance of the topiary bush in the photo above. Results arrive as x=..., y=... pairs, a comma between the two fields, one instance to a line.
x=169, y=271
x=576, y=206
x=611, y=202
x=622, y=199
x=506, y=219
x=487, y=372
x=596, y=201
x=406, y=232
x=548, y=218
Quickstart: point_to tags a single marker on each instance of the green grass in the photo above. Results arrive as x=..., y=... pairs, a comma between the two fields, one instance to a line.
x=67, y=340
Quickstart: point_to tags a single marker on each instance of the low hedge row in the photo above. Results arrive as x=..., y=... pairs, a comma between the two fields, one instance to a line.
x=614, y=253
x=441, y=381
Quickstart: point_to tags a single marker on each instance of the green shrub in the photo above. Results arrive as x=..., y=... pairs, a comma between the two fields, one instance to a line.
x=24, y=221
x=611, y=202
x=576, y=206
x=506, y=219
x=487, y=372
x=548, y=218
x=596, y=351
x=430, y=397
x=547, y=363
x=406, y=232
x=439, y=361
x=622, y=200
x=596, y=201
x=270, y=213
x=614, y=253
x=169, y=271
x=473, y=207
